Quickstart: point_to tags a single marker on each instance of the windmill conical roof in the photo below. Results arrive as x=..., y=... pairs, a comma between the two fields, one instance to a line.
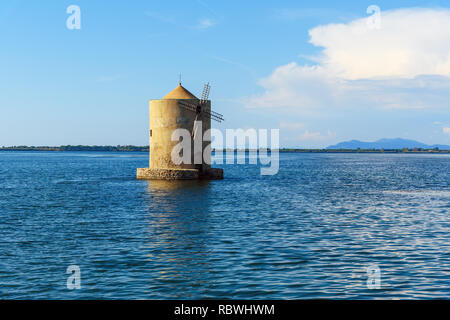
x=180, y=92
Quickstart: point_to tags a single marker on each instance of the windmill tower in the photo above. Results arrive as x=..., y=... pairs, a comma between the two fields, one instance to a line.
x=180, y=109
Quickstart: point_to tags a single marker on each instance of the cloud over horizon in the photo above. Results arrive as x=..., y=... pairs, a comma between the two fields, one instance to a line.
x=446, y=130
x=401, y=65
x=403, y=46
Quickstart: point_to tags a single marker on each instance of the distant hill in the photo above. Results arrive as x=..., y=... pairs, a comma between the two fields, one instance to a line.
x=397, y=143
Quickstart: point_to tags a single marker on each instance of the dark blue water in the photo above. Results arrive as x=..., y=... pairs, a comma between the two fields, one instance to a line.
x=308, y=232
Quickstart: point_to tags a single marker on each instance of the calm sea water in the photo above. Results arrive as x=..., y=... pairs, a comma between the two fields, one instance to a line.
x=310, y=231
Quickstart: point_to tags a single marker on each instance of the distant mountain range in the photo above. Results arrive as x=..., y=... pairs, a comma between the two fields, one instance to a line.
x=397, y=143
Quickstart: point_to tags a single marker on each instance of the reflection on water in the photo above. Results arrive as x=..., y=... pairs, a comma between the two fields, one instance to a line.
x=179, y=234
x=167, y=186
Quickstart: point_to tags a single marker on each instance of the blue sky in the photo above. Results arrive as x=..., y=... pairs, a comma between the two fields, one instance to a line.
x=308, y=68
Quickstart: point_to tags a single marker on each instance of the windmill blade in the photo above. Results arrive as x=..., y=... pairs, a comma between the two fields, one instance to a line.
x=218, y=119
x=197, y=108
x=205, y=93
x=215, y=116
x=194, y=128
x=188, y=106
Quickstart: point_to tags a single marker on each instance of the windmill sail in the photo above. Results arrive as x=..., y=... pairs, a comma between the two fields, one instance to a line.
x=197, y=108
x=188, y=106
x=205, y=93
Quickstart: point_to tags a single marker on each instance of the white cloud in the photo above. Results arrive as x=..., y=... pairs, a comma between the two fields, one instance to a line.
x=410, y=42
x=446, y=130
x=403, y=65
x=205, y=23
x=316, y=136
x=313, y=88
x=291, y=125
x=305, y=138
x=294, y=86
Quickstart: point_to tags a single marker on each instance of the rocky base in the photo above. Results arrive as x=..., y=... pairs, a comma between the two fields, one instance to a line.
x=178, y=174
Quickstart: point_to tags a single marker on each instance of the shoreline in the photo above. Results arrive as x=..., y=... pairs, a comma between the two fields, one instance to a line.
x=145, y=149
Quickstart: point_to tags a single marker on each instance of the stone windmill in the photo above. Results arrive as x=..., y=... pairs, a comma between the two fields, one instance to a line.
x=180, y=109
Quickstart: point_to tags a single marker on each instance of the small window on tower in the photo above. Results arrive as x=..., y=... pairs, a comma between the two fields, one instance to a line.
x=150, y=133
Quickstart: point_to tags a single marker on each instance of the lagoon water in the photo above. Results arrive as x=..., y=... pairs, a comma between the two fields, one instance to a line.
x=310, y=231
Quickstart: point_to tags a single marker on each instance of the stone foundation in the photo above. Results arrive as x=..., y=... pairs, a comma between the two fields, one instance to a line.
x=178, y=174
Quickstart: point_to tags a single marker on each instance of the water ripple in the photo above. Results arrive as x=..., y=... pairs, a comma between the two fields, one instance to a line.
x=309, y=232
